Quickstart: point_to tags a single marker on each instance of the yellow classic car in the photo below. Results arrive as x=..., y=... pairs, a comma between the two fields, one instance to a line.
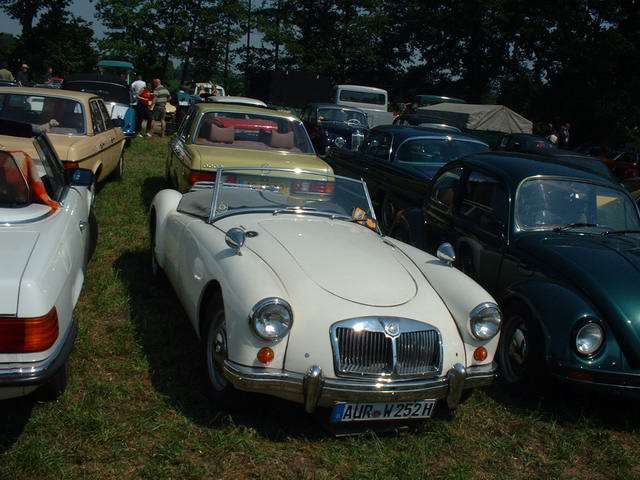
x=78, y=124
x=227, y=135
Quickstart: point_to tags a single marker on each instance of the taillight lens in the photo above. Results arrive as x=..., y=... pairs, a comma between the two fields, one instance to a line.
x=311, y=186
x=25, y=335
x=70, y=165
x=198, y=176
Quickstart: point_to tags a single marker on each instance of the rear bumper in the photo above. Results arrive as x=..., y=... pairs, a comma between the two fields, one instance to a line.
x=314, y=390
x=39, y=373
x=601, y=380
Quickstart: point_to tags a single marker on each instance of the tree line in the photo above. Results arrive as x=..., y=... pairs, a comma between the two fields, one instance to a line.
x=575, y=61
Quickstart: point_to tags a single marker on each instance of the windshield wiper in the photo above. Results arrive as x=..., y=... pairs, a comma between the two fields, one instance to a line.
x=620, y=232
x=570, y=226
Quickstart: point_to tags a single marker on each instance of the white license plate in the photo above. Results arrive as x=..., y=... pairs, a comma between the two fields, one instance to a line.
x=367, y=412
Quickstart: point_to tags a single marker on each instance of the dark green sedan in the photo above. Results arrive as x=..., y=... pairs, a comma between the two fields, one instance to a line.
x=559, y=247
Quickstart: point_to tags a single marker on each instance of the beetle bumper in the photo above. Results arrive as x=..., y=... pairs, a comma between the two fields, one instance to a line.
x=602, y=380
x=314, y=390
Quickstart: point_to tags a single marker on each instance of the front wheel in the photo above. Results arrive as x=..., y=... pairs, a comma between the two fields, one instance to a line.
x=118, y=173
x=218, y=388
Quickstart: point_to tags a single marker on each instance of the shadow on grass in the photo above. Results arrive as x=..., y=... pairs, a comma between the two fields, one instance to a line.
x=568, y=404
x=150, y=187
x=14, y=415
x=177, y=364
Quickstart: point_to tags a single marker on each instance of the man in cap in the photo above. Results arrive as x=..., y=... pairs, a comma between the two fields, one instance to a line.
x=23, y=74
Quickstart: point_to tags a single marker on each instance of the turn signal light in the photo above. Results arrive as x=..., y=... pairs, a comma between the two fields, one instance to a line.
x=480, y=354
x=26, y=335
x=265, y=355
x=198, y=176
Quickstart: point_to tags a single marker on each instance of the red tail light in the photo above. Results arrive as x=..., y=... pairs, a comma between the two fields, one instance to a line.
x=70, y=165
x=198, y=176
x=25, y=335
x=311, y=186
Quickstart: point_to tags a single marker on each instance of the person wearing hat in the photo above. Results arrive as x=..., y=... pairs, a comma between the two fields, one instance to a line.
x=23, y=76
x=5, y=74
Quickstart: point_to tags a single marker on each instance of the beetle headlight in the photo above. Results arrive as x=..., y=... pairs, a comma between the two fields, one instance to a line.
x=271, y=318
x=589, y=339
x=485, y=321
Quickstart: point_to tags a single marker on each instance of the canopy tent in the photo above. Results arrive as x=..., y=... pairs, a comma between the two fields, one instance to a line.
x=497, y=118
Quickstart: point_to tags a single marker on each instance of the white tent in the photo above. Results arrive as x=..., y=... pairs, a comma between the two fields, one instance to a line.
x=467, y=116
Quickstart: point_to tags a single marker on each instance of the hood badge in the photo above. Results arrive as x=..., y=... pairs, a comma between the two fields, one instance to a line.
x=392, y=328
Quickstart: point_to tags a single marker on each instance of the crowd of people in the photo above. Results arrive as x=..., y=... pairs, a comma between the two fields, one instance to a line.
x=22, y=75
x=152, y=99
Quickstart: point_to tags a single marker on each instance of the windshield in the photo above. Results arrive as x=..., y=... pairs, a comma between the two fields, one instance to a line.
x=436, y=150
x=547, y=204
x=370, y=98
x=254, y=132
x=280, y=191
x=109, y=92
x=341, y=115
x=59, y=115
x=14, y=190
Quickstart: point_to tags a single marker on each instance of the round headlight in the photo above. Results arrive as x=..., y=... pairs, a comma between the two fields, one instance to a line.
x=271, y=318
x=339, y=142
x=589, y=339
x=485, y=321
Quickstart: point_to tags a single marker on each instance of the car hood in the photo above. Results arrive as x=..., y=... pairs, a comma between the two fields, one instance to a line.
x=15, y=249
x=606, y=269
x=344, y=259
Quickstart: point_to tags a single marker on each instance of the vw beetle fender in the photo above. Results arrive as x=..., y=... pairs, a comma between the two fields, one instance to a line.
x=560, y=311
x=165, y=202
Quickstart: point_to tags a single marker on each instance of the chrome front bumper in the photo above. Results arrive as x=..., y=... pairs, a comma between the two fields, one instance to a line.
x=314, y=390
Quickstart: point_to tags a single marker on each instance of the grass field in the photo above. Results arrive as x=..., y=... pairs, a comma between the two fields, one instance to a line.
x=135, y=408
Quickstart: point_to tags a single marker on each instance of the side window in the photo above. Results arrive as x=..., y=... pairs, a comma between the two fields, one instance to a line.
x=444, y=189
x=378, y=145
x=96, y=117
x=485, y=203
x=504, y=141
x=187, y=124
x=105, y=115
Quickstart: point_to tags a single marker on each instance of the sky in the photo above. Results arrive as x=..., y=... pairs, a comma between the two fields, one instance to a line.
x=82, y=8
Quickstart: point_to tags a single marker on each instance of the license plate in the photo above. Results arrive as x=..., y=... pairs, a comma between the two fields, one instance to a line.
x=367, y=412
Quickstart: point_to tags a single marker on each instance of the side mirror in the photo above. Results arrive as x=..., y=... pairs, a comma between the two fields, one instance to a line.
x=79, y=177
x=446, y=254
x=235, y=238
x=117, y=122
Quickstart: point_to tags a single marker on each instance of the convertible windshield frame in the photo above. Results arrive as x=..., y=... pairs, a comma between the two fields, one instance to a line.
x=277, y=210
x=517, y=228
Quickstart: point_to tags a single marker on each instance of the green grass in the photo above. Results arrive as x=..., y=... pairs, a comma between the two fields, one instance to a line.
x=135, y=407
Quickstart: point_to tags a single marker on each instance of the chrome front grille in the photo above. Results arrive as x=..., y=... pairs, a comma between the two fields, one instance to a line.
x=356, y=140
x=386, y=346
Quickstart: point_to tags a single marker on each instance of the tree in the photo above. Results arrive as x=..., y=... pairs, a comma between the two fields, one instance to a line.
x=25, y=11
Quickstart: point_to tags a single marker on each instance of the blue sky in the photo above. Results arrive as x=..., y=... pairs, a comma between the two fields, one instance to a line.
x=82, y=8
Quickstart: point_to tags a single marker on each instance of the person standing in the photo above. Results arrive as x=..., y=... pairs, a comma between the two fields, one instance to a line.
x=564, y=135
x=162, y=96
x=5, y=74
x=23, y=74
x=145, y=100
x=138, y=85
x=48, y=75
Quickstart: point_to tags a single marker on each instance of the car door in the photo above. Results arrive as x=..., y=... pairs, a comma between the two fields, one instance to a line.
x=480, y=227
x=114, y=138
x=438, y=207
x=100, y=138
x=374, y=162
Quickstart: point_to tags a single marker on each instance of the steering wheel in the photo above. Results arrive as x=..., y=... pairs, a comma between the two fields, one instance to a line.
x=354, y=122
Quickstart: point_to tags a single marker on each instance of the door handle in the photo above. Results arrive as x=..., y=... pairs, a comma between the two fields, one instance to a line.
x=83, y=225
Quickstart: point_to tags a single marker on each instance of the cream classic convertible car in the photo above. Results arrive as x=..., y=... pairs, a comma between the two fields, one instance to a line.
x=78, y=125
x=47, y=230
x=295, y=293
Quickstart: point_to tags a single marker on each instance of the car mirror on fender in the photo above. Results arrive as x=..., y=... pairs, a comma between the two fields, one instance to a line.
x=446, y=254
x=79, y=177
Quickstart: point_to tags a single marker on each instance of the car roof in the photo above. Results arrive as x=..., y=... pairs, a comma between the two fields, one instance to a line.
x=362, y=88
x=95, y=78
x=116, y=64
x=204, y=107
x=333, y=105
x=518, y=166
x=49, y=92
x=402, y=132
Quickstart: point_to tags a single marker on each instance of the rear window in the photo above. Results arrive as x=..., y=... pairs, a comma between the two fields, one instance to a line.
x=14, y=190
x=65, y=116
x=253, y=132
x=436, y=150
x=363, y=97
x=109, y=92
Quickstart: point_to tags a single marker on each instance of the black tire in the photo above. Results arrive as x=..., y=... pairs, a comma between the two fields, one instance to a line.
x=521, y=350
x=388, y=213
x=157, y=274
x=56, y=386
x=93, y=233
x=118, y=173
x=214, y=337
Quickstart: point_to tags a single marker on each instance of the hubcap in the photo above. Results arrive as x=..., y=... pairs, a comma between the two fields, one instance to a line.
x=518, y=347
x=216, y=353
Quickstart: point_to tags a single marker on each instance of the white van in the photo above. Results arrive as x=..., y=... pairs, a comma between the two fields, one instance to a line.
x=374, y=101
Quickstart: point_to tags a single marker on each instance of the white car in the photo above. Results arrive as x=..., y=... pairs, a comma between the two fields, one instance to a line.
x=46, y=232
x=295, y=293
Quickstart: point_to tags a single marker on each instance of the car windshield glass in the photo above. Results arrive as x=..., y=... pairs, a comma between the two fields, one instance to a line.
x=552, y=203
x=254, y=132
x=436, y=150
x=341, y=115
x=59, y=115
x=279, y=192
x=109, y=92
x=14, y=190
x=370, y=98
